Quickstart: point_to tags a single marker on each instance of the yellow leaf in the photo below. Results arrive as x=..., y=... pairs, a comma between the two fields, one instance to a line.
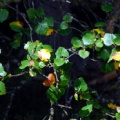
x=111, y=105
x=99, y=31
x=44, y=55
x=116, y=65
x=116, y=56
x=50, y=32
x=17, y=23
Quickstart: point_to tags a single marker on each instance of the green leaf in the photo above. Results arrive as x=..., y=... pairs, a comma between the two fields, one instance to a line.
x=3, y=15
x=40, y=13
x=24, y=64
x=18, y=36
x=107, y=67
x=32, y=73
x=65, y=78
x=15, y=44
x=104, y=55
x=100, y=24
x=48, y=47
x=2, y=88
x=59, y=61
x=84, y=54
x=76, y=42
x=117, y=115
x=76, y=96
x=62, y=52
x=2, y=72
x=108, y=39
x=86, y=110
x=49, y=21
x=64, y=25
x=80, y=85
x=32, y=14
x=67, y=18
x=41, y=28
x=99, y=43
x=86, y=96
x=54, y=94
x=116, y=41
x=95, y=104
x=88, y=39
x=15, y=27
x=42, y=64
x=110, y=57
x=64, y=32
x=107, y=7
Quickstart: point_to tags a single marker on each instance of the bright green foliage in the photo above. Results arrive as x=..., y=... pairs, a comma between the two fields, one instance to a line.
x=116, y=41
x=86, y=110
x=99, y=43
x=3, y=15
x=108, y=39
x=107, y=7
x=59, y=61
x=76, y=42
x=99, y=24
x=102, y=45
x=62, y=52
x=24, y=64
x=83, y=53
x=2, y=88
x=80, y=85
x=88, y=39
x=117, y=116
x=54, y=94
x=2, y=72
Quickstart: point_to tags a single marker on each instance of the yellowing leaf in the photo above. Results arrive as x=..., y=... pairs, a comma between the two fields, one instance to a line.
x=99, y=31
x=44, y=55
x=50, y=32
x=116, y=56
x=111, y=105
x=17, y=23
x=116, y=65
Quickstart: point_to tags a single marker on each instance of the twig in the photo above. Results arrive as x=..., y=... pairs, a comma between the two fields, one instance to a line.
x=17, y=75
x=51, y=112
x=23, y=16
x=57, y=80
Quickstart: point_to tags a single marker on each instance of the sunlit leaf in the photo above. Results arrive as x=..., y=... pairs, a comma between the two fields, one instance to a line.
x=84, y=54
x=2, y=88
x=108, y=39
x=88, y=39
x=2, y=72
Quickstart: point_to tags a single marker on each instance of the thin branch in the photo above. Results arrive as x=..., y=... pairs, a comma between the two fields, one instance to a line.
x=23, y=16
x=17, y=75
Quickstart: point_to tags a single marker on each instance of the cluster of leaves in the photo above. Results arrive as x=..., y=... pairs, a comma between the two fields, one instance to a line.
x=42, y=56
